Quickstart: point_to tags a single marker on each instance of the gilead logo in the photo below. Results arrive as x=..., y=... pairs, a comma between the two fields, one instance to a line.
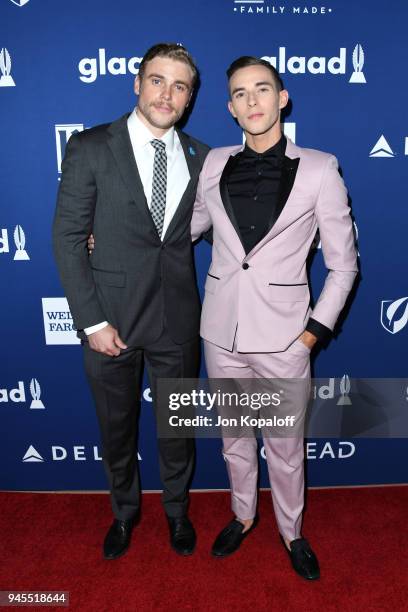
x=341, y=450
x=394, y=314
x=323, y=450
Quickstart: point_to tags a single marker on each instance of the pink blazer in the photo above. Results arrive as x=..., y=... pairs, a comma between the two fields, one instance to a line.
x=265, y=293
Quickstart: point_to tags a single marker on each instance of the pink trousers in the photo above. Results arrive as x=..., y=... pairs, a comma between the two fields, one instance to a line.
x=284, y=455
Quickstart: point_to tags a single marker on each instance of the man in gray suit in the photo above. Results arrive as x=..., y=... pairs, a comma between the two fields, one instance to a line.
x=132, y=183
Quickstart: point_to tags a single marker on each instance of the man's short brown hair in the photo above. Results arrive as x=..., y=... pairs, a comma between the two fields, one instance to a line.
x=172, y=51
x=250, y=60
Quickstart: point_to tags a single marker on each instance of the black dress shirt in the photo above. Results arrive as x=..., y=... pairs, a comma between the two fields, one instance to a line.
x=253, y=186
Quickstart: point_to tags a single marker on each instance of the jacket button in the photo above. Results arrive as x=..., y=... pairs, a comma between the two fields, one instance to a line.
x=245, y=266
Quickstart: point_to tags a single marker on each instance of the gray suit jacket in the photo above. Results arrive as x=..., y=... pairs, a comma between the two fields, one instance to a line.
x=133, y=279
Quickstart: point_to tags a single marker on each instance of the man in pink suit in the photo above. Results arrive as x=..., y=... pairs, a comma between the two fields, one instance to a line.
x=265, y=202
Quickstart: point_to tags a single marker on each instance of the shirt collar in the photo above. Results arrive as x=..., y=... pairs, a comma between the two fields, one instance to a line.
x=141, y=136
x=277, y=151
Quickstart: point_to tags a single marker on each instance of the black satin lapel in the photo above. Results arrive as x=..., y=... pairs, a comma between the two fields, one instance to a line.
x=289, y=170
x=226, y=200
x=122, y=151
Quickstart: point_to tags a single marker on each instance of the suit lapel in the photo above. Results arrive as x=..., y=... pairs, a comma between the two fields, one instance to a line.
x=289, y=170
x=191, y=154
x=194, y=165
x=226, y=200
x=121, y=147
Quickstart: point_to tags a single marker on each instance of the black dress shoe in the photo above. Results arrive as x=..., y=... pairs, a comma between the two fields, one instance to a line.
x=182, y=535
x=230, y=538
x=117, y=539
x=303, y=559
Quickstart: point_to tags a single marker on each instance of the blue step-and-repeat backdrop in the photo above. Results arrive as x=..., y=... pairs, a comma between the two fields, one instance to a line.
x=69, y=65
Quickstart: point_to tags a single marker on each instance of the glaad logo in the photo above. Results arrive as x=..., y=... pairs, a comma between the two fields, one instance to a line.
x=18, y=394
x=382, y=148
x=358, y=63
x=19, y=240
x=60, y=453
x=20, y=2
x=58, y=324
x=6, y=80
x=297, y=64
x=344, y=399
x=326, y=392
x=32, y=456
x=63, y=133
x=35, y=391
x=394, y=314
x=91, y=67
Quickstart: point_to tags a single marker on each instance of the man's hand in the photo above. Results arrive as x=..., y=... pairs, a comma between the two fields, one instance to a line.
x=91, y=244
x=308, y=339
x=106, y=341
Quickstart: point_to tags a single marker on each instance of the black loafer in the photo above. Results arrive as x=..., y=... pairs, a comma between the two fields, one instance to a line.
x=304, y=560
x=182, y=535
x=117, y=539
x=230, y=538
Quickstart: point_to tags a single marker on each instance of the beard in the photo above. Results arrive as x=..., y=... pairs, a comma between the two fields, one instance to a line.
x=155, y=119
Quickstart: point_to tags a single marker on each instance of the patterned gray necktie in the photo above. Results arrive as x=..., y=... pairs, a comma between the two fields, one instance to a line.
x=159, y=184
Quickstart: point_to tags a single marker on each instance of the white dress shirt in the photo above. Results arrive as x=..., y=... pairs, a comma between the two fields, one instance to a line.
x=178, y=175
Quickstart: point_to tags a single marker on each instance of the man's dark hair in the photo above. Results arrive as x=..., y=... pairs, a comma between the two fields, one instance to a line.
x=250, y=60
x=172, y=51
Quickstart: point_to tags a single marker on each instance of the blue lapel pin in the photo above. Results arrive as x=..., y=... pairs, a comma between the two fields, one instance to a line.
x=191, y=151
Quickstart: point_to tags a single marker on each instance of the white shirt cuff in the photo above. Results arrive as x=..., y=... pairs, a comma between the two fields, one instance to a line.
x=95, y=328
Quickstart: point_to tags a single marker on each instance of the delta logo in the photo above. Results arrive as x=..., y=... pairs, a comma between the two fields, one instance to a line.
x=78, y=452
